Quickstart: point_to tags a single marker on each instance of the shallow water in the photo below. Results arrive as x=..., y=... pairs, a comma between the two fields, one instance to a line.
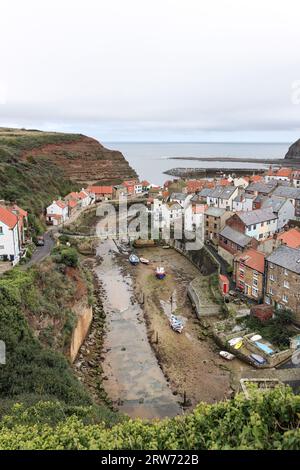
x=135, y=380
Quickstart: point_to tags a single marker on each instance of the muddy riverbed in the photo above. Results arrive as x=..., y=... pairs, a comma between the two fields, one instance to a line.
x=134, y=380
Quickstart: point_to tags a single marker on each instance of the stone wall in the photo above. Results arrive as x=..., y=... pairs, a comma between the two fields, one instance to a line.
x=84, y=319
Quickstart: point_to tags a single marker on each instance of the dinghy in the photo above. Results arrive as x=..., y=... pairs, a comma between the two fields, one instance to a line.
x=160, y=272
x=176, y=324
x=227, y=355
x=257, y=358
x=134, y=259
x=144, y=260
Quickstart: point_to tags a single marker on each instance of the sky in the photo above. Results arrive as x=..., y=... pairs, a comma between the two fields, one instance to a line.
x=153, y=70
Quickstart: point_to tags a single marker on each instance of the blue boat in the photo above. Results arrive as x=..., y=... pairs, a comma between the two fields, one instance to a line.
x=160, y=272
x=264, y=347
x=134, y=260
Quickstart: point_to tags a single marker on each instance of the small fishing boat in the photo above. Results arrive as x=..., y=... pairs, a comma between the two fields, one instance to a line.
x=160, y=272
x=234, y=341
x=238, y=345
x=144, y=260
x=176, y=324
x=257, y=358
x=134, y=259
x=256, y=338
x=227, y=355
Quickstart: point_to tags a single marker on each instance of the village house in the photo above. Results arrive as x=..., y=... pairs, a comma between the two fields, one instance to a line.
x=22, y=222
x=248, y=273
x=260, y=188
x=10, y=246
x=281, y=174
x=290, y=193
x=222, y=197
x=57, y=213
x=243, y=201
x=145, y=185
x=178, y=197
x=295, y=178
x=214, y=220
x=240, y=182
x=138, y=188
x=130, y=186
x=282, y=208
x=282, y=284
x=259, y=224
x=100, y=193
x=231, y=242
x=84, y=198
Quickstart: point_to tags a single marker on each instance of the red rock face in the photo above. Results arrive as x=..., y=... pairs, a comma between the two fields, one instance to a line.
x=85, y=161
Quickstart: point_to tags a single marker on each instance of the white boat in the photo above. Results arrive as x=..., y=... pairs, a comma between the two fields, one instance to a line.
x=160, y=272
x=134, y=259
x=259, y=359
x=176, y=324
x=234, y=341
x=144, y=260
x=256, y=338
x=227, y=355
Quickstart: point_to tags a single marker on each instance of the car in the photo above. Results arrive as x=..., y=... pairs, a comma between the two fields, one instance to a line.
x=40, y=241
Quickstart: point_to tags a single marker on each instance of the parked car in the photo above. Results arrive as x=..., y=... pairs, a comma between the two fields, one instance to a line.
x=40, y=241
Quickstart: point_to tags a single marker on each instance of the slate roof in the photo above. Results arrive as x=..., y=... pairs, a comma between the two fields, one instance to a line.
x=234, y=236
x=261, y=187
x=178, y=196
x=215, y=211
x=222, y=192
x=287, y=192
x=206, y=192
x=257, y=216
x=274, y=203
x=286, y=257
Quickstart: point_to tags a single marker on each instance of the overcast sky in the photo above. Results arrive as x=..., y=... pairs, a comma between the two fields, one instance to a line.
x=173, y=70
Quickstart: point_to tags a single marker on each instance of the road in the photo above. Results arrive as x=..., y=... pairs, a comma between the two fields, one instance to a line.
x=42, y=252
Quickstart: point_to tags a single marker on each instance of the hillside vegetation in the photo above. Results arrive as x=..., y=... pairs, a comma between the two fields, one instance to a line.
x=266, y=421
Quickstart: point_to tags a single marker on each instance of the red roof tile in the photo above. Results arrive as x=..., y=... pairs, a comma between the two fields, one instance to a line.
x=253, y=259
x=100, y=189
x=290, y=238
x=8, y=218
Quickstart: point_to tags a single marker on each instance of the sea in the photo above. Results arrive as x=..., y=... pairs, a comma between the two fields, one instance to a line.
x=151, y=159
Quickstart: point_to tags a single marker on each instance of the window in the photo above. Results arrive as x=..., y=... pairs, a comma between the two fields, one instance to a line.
x=254, y=227
x=261, y=235
x=272, y=278
x=286, y=272
x=271, y=291
x=255, y=274
x=1, y=247
x=262, y=224
x=254, y=292
x=286, y=284
x=1, y=230
x=255, y=283
x=271, y=265
x=268, y=300
x=285, y=298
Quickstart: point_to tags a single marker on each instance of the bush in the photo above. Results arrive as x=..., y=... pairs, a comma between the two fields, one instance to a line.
x=69, y=257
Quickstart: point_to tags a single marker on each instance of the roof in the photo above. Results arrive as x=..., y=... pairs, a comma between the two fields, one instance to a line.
x=253, y=259
x=73, y=195
x=83, y=195
x=174, y=206
x=8, y=218
x=224, y=182
x=274, y=203
x=286, y=257
x=287, y=192
x=100, y=189
x=257, y=216
x=60, y=204
x=179, y=196
x=234, y=236
x=72, y=203
x=255, y=178
x=21, y=212
x=145, y=183
x=284, y=172
x=290, y=238
x=206, y=192
x=262, y=187
x=223, y=192
x=215, y=211
x=194, y=185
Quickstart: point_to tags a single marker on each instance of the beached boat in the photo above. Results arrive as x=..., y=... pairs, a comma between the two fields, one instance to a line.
x=256, y=338
x=227, y=355
x=134, y=259
x=144, y=260
x=257, y=358
x=238, y=345
x=160, y=272
x=234, y=341
x=176, y=324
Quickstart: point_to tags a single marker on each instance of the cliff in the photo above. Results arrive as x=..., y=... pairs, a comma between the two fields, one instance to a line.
x=294, y=151
x=82, y=159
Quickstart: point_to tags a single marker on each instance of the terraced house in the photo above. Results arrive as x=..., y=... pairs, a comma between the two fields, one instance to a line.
x=282, y=282
x=259, y=224
x=249, y=268
x=10, y=246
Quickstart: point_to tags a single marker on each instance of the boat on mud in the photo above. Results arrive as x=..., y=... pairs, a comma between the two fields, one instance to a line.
x=227, y=355
x=176, y=324
x=160, y=272
x=144, y=260
x=134, y=259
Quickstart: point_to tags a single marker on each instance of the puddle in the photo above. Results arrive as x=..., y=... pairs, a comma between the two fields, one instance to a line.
x=135, y=380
